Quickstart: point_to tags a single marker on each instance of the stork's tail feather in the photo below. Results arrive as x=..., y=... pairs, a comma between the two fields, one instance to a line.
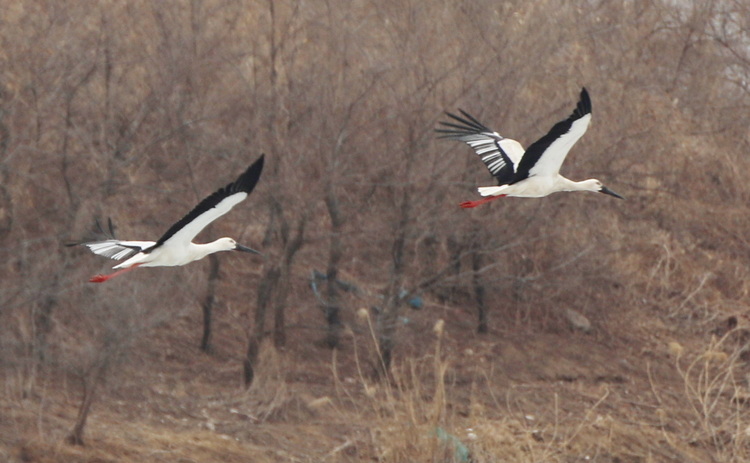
x=491, y=190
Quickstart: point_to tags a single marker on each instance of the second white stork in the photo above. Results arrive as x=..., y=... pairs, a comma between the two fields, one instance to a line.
x=175, y=247
x=533, y=173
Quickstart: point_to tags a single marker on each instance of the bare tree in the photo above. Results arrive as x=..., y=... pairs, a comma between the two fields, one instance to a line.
x=273, y=290
x=92, y=376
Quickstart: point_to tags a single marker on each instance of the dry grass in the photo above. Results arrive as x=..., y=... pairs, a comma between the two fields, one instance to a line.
x=716, y=393
x=439, y=406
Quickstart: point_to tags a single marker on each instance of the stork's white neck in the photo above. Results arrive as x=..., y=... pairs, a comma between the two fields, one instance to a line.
x=585, y=185
x=199, y=251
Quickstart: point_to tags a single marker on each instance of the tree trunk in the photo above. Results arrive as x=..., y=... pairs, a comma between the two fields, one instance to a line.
x=279, y=307
x=6, y=204
x=291, y=246
x=479, y=291
x=90, y=386
x=335, y=253
x=389, y=316
x=208, y=303
x=265, y=290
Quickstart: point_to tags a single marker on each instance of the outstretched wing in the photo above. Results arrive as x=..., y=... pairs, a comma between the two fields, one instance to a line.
x=546, y=155
x=116, y=249
x=500, y=155
x=214, y=206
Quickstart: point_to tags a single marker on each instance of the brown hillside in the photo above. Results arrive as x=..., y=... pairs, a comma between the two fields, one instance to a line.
x=571, y=328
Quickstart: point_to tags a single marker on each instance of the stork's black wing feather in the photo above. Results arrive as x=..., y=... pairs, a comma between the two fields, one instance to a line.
x=535, y=151
x=245, y=183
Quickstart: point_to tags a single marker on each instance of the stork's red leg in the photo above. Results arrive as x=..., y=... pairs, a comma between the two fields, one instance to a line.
x=103, y=278
x=470, y=204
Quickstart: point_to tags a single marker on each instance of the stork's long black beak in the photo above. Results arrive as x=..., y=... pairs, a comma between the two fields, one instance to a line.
x=246, y=249
x=607, y=191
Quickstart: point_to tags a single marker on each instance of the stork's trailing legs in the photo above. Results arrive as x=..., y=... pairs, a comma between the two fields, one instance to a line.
x=103, y=278
x=470, y=204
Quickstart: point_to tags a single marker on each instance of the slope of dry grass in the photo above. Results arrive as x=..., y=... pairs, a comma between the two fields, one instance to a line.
x=515, y=394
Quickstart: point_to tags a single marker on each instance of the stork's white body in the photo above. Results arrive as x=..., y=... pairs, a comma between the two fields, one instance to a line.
x=173, y=254
x=539, y=187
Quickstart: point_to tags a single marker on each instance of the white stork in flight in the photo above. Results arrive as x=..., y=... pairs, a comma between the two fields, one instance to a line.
x=533, y=173
x=175, y=247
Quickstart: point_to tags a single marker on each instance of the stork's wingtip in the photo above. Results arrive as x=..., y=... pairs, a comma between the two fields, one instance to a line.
x=584, y=102
x=257, y=166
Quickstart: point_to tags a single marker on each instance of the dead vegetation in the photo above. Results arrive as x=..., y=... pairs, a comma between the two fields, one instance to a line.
x=134, y=110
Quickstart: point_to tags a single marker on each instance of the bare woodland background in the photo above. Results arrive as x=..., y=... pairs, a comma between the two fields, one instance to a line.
x=134, y=110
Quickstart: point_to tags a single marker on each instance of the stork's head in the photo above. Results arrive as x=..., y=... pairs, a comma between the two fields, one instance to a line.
x=597, y=186
x=229, y=244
